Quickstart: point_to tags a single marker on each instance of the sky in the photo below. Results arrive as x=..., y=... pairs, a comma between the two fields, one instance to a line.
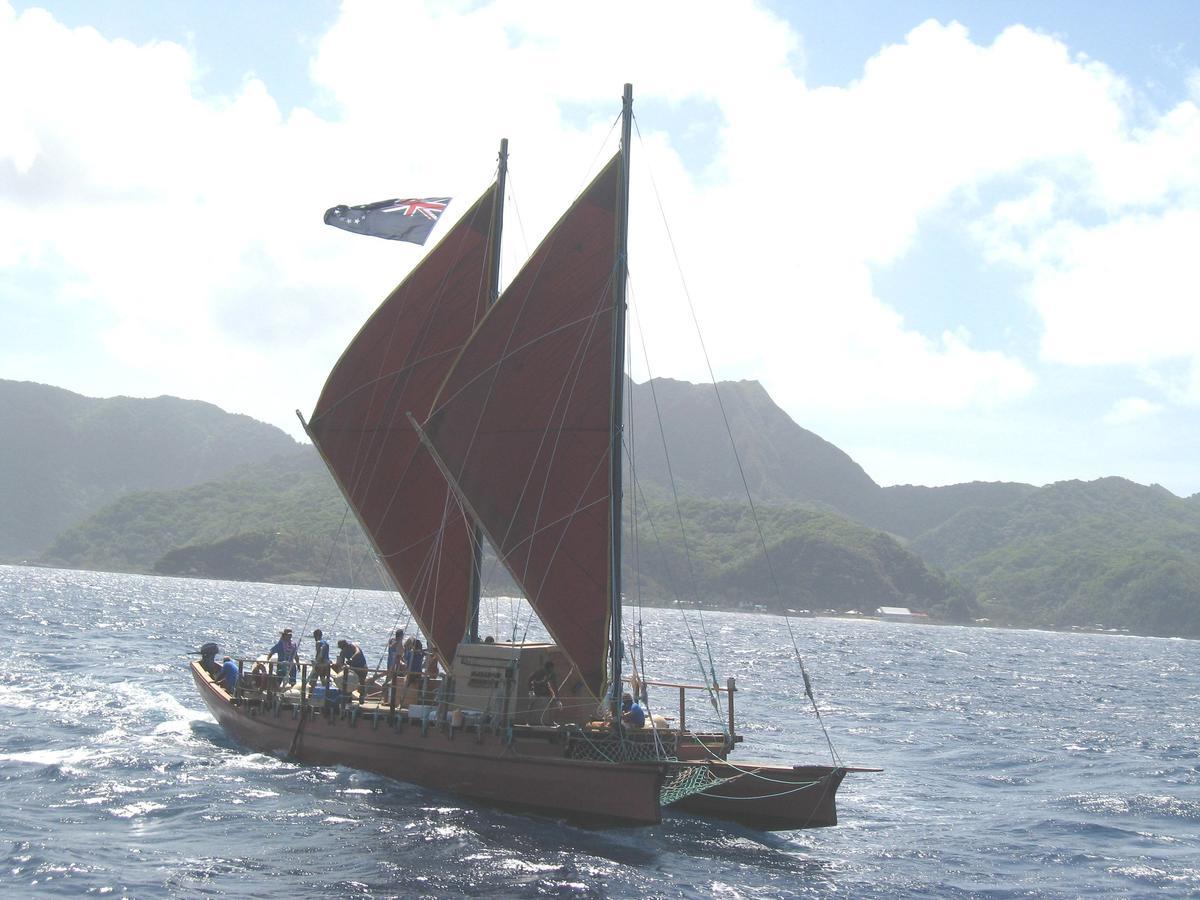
x=957, y=240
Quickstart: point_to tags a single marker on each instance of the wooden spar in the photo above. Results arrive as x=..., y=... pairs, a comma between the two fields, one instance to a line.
x=493, y=293
x=732, y=688
x=620, y=273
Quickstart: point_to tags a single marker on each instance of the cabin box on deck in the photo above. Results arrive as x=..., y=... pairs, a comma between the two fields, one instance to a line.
x=493, y=679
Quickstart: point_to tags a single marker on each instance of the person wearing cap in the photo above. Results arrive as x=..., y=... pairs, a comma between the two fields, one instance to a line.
x=286, y=652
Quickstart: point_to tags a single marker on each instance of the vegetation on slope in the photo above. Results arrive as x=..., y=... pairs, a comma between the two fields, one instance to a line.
x=64, y=456
x=815, y=560
x=1106, y=552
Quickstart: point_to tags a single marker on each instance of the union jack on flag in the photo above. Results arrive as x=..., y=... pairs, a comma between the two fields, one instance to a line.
x=430, y=208
x=396, y=220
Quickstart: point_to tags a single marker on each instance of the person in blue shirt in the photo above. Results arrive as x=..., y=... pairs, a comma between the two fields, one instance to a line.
x=350, y=655
x=632, y=714
x=229, y=675
x=320, y=668
x=414, y=662
x=286, y=651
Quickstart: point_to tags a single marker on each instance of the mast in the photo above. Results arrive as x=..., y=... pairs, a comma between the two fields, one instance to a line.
x=493, y=292
x=620, y=273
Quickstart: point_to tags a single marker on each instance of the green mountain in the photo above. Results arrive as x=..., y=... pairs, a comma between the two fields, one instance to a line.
x=1107, y=552
x=815, y=560
x=284, y=521
x=165, y=498
x=781, y=460
x=65, y=456
x=910, y=510
x=289, y=496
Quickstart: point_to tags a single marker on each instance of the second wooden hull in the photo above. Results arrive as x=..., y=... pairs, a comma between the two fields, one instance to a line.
x=773, y=798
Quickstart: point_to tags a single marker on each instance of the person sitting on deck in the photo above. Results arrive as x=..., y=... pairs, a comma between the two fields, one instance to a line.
x=208, y=660
x=320, y=668
x=286, y=652
x=257, y=678
x=350, y=655
x=632, y=714
x=544, y=682
x=228, y=678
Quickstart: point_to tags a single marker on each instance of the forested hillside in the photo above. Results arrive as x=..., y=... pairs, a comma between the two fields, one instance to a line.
x=781, y=460
x=64, y=456
x=284, y=521
x=1106, y=552
x=160, y=478
x=816, y=560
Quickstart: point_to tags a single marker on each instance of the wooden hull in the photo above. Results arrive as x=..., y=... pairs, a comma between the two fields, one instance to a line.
x=529, y=770
x=772, y=798
x=530, y=773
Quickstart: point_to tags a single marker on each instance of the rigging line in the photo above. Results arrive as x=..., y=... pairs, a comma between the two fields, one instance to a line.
x=691, y=568
x=415, y=352
x=560, y=408
x=712, y=674
x=569, y=518
x=562, y=411
x=552, y=237
x=435, y=594
x=423, y=596
x=631, y=455
x=712, y=694
x=737, y=457
x=510, y=181
x=510, y=351
x=325, y=570
x=369, y=443
x=513, y=602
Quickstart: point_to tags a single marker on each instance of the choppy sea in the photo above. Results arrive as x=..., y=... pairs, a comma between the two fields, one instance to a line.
x=1017, y=763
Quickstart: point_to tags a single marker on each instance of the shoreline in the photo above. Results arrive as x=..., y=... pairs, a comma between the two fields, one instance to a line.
x=845, y=617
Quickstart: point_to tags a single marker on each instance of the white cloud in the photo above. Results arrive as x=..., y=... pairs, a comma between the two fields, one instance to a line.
x=1131, y=409
x=190, y=223
x=1125, y=292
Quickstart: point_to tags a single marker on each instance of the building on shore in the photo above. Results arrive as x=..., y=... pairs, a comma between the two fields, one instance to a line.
x=900, y=614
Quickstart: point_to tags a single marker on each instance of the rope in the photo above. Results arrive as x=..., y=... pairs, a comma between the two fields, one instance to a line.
x=741, y=470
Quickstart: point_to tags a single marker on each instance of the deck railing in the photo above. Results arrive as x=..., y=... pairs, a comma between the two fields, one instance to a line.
x=729, y=690
x=269, y=682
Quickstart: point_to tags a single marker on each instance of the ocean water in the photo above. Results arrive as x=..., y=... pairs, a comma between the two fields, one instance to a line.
x=1017, y=764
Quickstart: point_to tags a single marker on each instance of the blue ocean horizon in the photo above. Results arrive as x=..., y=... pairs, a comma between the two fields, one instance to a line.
x=1016, y=763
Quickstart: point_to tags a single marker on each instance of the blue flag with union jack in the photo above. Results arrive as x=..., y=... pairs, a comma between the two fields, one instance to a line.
x=395, y=220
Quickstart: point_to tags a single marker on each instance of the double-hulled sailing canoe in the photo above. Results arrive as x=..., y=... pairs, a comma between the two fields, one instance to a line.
x=459, y=413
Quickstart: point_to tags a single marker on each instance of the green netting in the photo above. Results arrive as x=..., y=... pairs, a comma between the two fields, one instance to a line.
x=687, y=780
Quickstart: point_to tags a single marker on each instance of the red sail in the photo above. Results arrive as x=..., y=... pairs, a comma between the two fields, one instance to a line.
x=394, y=366
x=523, y=425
